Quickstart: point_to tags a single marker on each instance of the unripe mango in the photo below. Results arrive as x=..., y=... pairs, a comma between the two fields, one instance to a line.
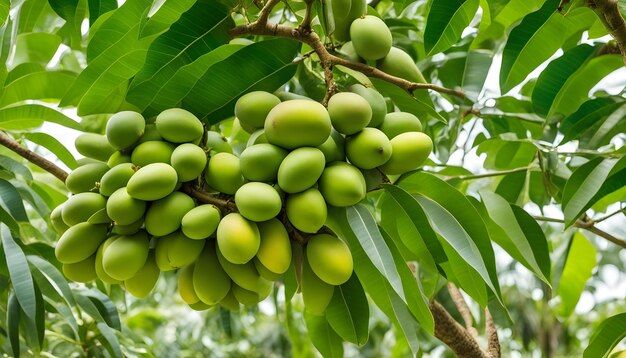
x=177, y=125
x=347, y=51
x=400, y=64
x=275, y=250
x=264, y=271
x=128, y=229
x=117, y=177
x=185, y=285
x=145, y=279
x=329, y=258
x=124, y=129
x=211, y=283
x=152, y=182
x=370, y=37
x=82, y=271
x=230, y=302
x=342, y=184
x=80, y=207
x=252, y=108
x=102, y=275
x=349, y=112
x=376, y=101
x=150, y=133
x=224, y=173
x=152, y=152
x=306, y=210
x=315, y=292
x=410, y=151
x=297, y=123
x=199, y=306
x=217, y=143
x=189, y=161
x=258, y=201
x=56, y=220
x=161, y=251
x=125, y=256
x=400, y=122
x=118, y=158
x=368, y=149
x=94, y=146
x=79, y=242
x=333, y=147
x=260, y=162
x=239, y=126
x=201, y=222
x=244, y=275
x=84, y=161
x=301, y=169
x=165, y=215
x=123, y=208
x=181, y=250
x=84, y=178
x=238, y=239
x=251, y=298
x=345, y=12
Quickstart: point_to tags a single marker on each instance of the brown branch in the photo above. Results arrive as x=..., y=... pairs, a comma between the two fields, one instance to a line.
x=493, y=343
x=608, y=11
x=463, y=308
x=33, y=157
x=450, y=332
x=206, y=198
x=305, y=25
x=589, y=226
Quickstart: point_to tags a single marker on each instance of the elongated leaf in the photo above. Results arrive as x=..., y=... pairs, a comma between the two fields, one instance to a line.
x=49, y=85
x=406, y=102
x=587, y=116
x=348, y=312
x=327, y=341
x=507, y=154
x=606, y=336
x=19, y=273
x=109, y=340
x=5, y=6
x=446, y=21
x=99, y=7
x=8, y=220
x=581, y=259
x=52, y=144
x=501, y=19
x=55, y=277
x=35, y=47
x=106, y=307
x=169, y=12
x=477, y=64
x=14, y=313
x=12, y=200
x=29, y=116
x=16, y=167
x=465, y=276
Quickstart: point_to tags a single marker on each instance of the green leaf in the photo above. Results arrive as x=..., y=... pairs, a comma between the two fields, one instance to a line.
x=99, y=7
x=407, y=102
x=167, y=14
x=29, y=116
x=109, y=340
x=5, y=6
x=36, y=47
x=10, y=197
x=16, y=167
x=348, y=312
x=512, y=186
x=14, y=313
x=106, y=308
x=501, y=19
x=507, y=154
x=465, y=276
x=446, y=21
x=606, y=336
x=581, y=259
x=49, y=85
x=477, y=64
x=586, y=119
x=327, y=341
x=8, y=220
x=53, y=145
x=19, y=272
x=22, y=70
x=64, y=8
x=54, y=299
x=268, y=66
x=54, y=276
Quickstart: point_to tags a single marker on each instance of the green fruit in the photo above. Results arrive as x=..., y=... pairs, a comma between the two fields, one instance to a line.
x=301, y=169
x=251, y=298
x=102, y=275
x=79, y=242
x=165, y=215
x=117, y=177
x=84, y=161
x=288, y=96
x=217, y=143
x=230, y=302
x=185, y=285
x=56, y=220
x=400, y=122
x=152, y=182
x=201, y=222
x=368, y=149
x=189, y=161
x=145, y=279
x=124, y=129
x=342, y=184
x=199, y=306
x=275, y=249
x=150, y=134
x=94, y=146
x=244, y=275
x=210, y=281
x=297, y=123
x=238, y=239
x=347, y=51
x=349, y=112
x=345, y=12
x=265, y=272
x=370, y=37
x=118, y=158
x=315, y=292
x=80, y=207
x=128, y=229
x=400, y=64
x=224, y=173
x=333, y=147
x=161, y=251
x=239, y=126
x=410, y=151
x=252, y=108
x=177, y=125
x=125, y=256
x=376, y=101
x=181, y=250
x=85, y=178
x=306, y=210
x=260, y=162
x=123, y=208
x=330, y=258
x=258, y=201
x=82, y=271
x=152, y=152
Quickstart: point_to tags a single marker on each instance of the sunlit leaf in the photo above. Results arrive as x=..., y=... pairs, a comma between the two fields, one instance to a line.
x=606, y=336
x=52, y=144
x=19, y=273
x=446, y=22
x=581, y=259
x=348, y=312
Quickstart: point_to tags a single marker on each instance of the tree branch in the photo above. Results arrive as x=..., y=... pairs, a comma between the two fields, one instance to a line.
x=589, y=226
x=463, y=308
x=608, y=11
x=450, y=332
x=493, y=343
x=492, y=174
x=33, y=157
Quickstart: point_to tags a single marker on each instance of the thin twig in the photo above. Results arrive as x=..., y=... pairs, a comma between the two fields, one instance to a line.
x=463, y=308
x=608, y=11
x=622, y=210
x=33, y=157
x=492, y=174
x=589, y=226
x=493, y=343
x=305, y=25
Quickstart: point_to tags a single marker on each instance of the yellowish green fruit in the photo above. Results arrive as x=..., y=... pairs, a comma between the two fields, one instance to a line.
x=400, y=122
x=244, y=275
x=370, y=37
x=57, y=220
x=275, y=249
x=217, y=143
x=150, y=133
x=224, y=173
x=347, y=51
x=189, y=161
x=258, y=201
x=161, y=251
x=410, y=151
x=301, y=169
x=185, y=285
x=165, y=215
x=201, y=222
x=329, y=258
x=251, y=298
x=177, y=125
x=117, y=177
x=199, y=306
x=85, y=178
x=265, y=272
x=152, y=152
x=94, y=146
x=368, y=149
x=124, y=129
x=80, y=207
x=260, y=162
x=400, y=64
x=252, y=108
x=79, y=242
x=333, y=147
x=238, y=238
x=349, y=112
x=315, y=292
x=306, y=210
x=181, y=250
x=376, y=101
x=230, y=302
x=345, y=12
x=297, y=123
x=211, y=283
x=118, y=158
x=123, y=208
x=128, y=229
x=84, y=161
x=238, y=126
x=145, y=279
x=152, y=182
x=342, y=184
x=82, y=271
x=102, y=275
x=126, y=255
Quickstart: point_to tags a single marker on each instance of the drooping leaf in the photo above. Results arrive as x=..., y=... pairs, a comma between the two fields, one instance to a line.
x=512, y=187
x=20, y=275
x=327, y=341
x=106, y=308
x=49, y=85
x=464, y=275
x=53, y=145
x=14, y=313
x=348, y=312
x=606, y=336
x=15, y=167
x=446, y=22
x=581, y=259
x=588, y=116
x=38, y=47
x=109, y=340
x=55, y=276
x=29, y=116
x=11, y=200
